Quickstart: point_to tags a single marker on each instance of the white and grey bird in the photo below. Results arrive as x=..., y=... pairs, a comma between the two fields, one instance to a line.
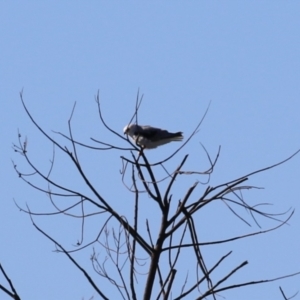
x=149, y=137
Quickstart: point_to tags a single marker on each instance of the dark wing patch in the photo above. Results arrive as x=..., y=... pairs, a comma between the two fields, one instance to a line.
x=156, y=134
x=150, y=132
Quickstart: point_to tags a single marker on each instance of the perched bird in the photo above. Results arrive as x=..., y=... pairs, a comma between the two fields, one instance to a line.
x=150, y=137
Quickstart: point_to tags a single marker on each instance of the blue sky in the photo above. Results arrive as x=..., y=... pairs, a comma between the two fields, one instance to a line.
x=243, y=56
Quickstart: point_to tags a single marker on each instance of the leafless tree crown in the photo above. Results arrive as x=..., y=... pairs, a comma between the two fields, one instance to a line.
x=158, y=255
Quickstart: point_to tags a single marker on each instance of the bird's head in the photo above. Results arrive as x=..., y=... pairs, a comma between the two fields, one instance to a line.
x=126, y=129
x=129, y=129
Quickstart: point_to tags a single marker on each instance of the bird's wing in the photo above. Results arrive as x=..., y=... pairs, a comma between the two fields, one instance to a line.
x=157, y=134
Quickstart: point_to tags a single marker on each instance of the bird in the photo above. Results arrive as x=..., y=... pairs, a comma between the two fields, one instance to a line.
x=149, y=137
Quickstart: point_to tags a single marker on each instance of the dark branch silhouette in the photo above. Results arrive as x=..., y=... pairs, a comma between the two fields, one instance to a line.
x=13, y=293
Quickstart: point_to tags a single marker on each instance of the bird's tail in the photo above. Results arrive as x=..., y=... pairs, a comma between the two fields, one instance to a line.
x=178, y=136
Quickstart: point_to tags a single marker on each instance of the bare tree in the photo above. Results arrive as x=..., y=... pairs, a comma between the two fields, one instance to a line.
x=150, y=250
